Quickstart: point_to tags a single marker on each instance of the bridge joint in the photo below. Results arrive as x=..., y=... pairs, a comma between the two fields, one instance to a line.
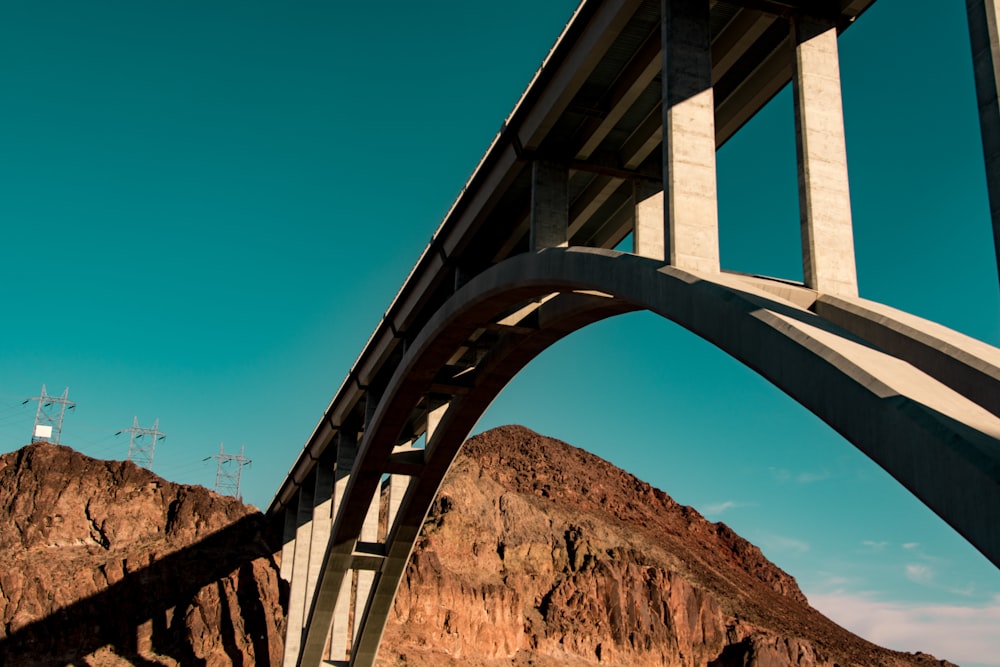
x=602, y=163
x=368, y=556
x=454, y=380
x=827, y=9
x=408, y=462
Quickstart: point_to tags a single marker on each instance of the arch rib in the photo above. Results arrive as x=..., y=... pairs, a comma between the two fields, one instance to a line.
x=938, y=443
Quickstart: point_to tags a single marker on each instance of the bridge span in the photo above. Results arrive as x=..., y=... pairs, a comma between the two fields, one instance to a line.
x=615, y=139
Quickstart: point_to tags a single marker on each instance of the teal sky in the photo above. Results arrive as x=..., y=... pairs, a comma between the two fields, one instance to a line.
x=206, y=207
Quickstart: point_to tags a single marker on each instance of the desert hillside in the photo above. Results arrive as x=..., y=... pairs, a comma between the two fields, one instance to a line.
x=104, y=563
x=534, y=553
x=539, y=553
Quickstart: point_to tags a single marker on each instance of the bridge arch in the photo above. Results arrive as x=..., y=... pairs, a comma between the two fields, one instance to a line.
x=930, y=420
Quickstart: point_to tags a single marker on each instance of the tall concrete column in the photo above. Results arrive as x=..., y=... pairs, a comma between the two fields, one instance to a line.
x=434, y=417
x=398, y=484
x=366, y=578
x=297, y=601
x=322, y=518
x=288, y=539
x=647, y=235
x=824, y=194
x=372, y=397
x=691, y=210
x=340, y=639
x=984, y=35
x=549, y=205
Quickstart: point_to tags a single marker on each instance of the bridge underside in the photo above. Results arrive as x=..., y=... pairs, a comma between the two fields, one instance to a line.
x=616, y=136
x=930, y=420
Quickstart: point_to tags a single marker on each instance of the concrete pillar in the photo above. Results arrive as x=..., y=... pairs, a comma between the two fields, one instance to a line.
x=340, y=639
x=297, y=601
x=824, y=195
x=549, y=205
x=371, y=404
x=690, y=206
x=398, y=484
x=647, y=235
x=366, y=578
x=347, y=452
x=322, y=518
x=984, y=36
x=288, y=539
x=433, y=419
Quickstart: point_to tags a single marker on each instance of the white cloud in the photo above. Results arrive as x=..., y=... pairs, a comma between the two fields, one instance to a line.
x=833, y=581
x=715, y=509
x=810, y=477
x=875, y=546
x=782, y=543
x=965, y=635
x=780, y=474
x=804, y=477
x=921, y=574
x=909, y=546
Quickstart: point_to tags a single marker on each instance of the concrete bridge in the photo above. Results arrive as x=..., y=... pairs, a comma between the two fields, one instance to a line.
x=615, y=139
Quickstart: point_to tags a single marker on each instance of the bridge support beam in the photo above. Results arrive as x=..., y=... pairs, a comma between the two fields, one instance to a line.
x=647, y=236
x=288, y=541
x=397, y=490
x=984, y=35
x=322, y=519
x=340, y=631
x=549, y=205
x=690, y=205
x=366, y=577
x=298, y=602
x=824, y=194
x=400, y=528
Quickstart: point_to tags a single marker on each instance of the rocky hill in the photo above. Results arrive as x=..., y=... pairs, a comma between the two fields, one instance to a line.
x=539, y=553
x=535, y=553
x=104, y=563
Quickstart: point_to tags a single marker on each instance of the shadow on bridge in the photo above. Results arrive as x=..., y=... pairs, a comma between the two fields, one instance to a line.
x=142, y=616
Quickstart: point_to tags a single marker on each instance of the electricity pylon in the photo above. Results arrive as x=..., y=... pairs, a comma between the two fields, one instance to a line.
x=227, y=475
x=142, y=442
x=49, y=415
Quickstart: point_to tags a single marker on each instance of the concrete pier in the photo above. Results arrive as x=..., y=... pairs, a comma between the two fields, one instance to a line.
x=648, y=234
x=322, y=519
x=824, y=195
x=366, y=578
x=690, y=206
x=549, y=205
x=340, y=631
x=297, y=601
x=288, y=540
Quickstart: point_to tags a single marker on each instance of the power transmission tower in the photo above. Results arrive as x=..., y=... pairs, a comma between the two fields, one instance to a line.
x=228, y=471
x=142, y=442
x=49, y=415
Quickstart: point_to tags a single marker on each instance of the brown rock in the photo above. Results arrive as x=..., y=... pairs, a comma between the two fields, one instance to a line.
x=534, y=553
x=538, y=553
x=104, y=563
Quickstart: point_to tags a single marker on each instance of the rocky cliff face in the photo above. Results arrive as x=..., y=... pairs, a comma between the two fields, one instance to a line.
x=104, y=563
x=538, y=553
x=535, y=553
